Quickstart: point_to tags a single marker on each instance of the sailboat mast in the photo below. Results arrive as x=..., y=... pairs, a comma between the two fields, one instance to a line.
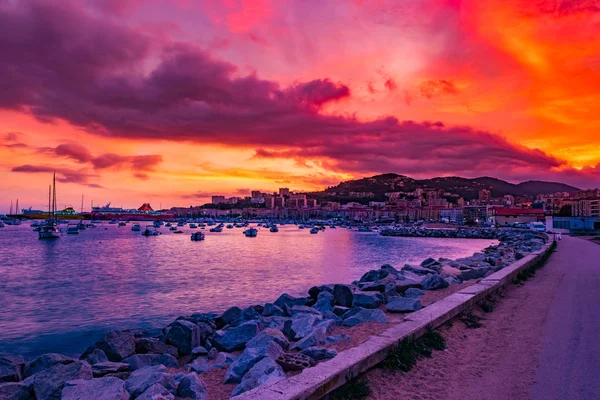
x=49, y=195
x=17, y=207
x=81, y=211
x=54, y=195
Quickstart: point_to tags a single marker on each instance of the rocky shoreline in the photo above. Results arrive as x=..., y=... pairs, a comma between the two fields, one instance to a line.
x=256, y=344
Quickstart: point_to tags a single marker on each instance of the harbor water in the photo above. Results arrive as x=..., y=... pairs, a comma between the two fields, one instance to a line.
x=62, y=295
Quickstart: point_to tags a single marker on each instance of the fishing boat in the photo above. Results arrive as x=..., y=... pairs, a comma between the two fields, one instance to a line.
x=122, y=223
x=251, y=232
x=49, y=229
x=314, y=230
x=136, y=227
x=274, y=229
x=196, y=236
x=72, y=229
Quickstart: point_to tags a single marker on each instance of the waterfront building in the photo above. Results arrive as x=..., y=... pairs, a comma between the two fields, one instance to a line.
x=218, y=199
x=476, y=214
x=586, y=208
x=454, y=215
x=508, y=216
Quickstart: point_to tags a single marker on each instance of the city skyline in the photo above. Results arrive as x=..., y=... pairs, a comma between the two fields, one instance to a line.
x=172, y=102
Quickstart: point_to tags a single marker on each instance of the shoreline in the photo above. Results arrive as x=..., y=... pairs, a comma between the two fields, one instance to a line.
x=206, y=342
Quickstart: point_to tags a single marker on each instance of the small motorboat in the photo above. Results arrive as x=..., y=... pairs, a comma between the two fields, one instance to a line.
x=156, y=224
x=216, y=229
x=193, y=226
x=196, y=236
x=178, y=232
x=49, y=230
x=300, y=226
x=1, y=224
x=181, y=223
x=136, y=227
x=251, y=232
x=274, y=229
x=73, y=229
x=364, y=229
x=168, y=224
x=173, y=228
x=229, y=226
x=314, y=230
x=122, y=223
x=90, y=225
x=34, y=224
x=113, y=222
x=150, y=231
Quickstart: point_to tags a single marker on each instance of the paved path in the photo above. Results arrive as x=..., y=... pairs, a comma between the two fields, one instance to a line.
x=569, y=361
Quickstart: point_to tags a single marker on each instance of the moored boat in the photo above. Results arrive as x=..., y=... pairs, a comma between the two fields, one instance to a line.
x=150, y=231
x=49, y=229
x=314, y=230
x=72, y=229
x=136, y=227
x=273, y=229
x=196, y=236
x=251, y=232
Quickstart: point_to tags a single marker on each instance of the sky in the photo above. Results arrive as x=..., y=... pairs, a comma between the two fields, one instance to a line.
x=170, y=102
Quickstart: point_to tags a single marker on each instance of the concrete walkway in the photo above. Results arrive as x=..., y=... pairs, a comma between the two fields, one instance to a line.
x=569, y=361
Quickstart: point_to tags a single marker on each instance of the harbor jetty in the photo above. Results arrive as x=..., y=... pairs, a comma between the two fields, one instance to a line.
x=249, y=347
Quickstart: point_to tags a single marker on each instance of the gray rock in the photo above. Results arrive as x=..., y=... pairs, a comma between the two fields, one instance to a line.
x=15, y=391
x=272, y=310
x=108, y=367
x=474, y=273
x=414, y=293
x=407, y=283
x=269, y=335
x=377, y=286
x=199, y=351
x=319, y=353
x=314, y=291
x=330, y=315
x=186, y=335
x=44, y=362
x=328, y=324
x=343, y=295
x=403, y=304
x=415, y=269
x=192, y=387
x=324, y=302
x=300, y=327
x=315, y=338
x=304, y=310
x=138, y=361
x=434, y=282
x=391, y=270
x=340, y=311
x=374, y=275
x=213, y=353
x=11, y=368
x=249, y=357
x=96, y=356
x=156, y=392
x=290, y=301
x=428, y=262
x=341, y=338
x=235, y=338
x=154, y=346
x=363, y=315
x=48, y=384
x=266, y=370
x=367, y=300
x=107, y=388
x=232, y=316
x=249, y=314
x=117, y=345
x=139, y=381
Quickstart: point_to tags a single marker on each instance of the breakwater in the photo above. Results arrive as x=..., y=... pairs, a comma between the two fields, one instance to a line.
x=290, y=333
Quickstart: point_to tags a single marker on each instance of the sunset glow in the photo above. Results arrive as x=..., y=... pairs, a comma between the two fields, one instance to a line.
x=169, y=102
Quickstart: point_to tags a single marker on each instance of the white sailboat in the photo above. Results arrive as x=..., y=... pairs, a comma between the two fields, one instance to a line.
x=49, y=229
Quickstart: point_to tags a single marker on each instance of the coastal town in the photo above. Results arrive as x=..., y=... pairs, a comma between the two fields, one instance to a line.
x=569, y=211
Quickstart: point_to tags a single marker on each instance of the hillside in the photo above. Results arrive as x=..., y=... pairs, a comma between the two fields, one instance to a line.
x=465, y=187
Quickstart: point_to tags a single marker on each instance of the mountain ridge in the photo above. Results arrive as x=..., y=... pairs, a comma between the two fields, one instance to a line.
x=468, y=188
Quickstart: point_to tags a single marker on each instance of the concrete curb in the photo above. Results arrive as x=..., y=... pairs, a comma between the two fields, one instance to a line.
x=316, y=382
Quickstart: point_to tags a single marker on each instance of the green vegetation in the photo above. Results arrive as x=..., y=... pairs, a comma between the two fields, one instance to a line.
x=353, y=390
x=488, y=304
x=406, y=354
x=470, y=320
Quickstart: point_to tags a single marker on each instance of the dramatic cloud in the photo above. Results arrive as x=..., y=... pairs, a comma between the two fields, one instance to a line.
x=75, y=151
x=60, y=61
x=65, y=175
x=437, y=87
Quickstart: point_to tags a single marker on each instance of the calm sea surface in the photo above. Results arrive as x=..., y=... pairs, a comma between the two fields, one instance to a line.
x=62, y=295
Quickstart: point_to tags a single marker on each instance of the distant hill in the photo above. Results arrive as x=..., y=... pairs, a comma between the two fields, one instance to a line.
x=465, y=187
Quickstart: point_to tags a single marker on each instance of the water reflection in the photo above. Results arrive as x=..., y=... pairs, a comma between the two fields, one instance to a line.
x=61, y=295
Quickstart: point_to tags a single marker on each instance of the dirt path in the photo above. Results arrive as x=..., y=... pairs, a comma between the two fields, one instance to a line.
x=496, y=361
